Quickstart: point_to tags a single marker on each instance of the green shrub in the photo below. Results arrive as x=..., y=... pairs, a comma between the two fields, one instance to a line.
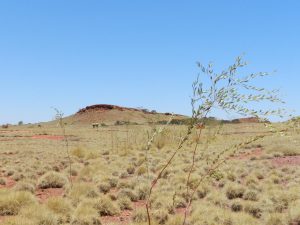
x=12, y=202
x=142, y=192
x=104, y=187
x=130, y=170
x=202, y=191
x=141, y=170
x=106, y=207
x=24, y=186
x=61, y=207
x=233, y=192
x=79, y=152
x=128, y=193
x=52, y=180
x=39, y=215
x=85, y=214
x=161, y=216
x=253, y=209
x=125, y=203
x=2, y=181
x=236, y=206
x=81, y=191
x=250, y=195
x=139, y=216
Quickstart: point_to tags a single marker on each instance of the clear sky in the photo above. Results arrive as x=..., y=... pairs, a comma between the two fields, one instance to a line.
x=69, y=54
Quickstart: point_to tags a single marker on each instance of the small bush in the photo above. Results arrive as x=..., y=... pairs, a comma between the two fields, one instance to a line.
x=2, y=181
x=104, y=187
x=139, y=216
x=39, y=215
x=259, y=176
x=180, y=202
x=253, y=209
x=231, y=177
x=125, y=203
x=250, y=195
x=113, y=182
x=202, y=191
x=106, y=207
x=52, y=180
x=141, y=170
x=233, y=192
x=130, y=170
x=128, y=193
x=161, y=216
x=79, y=152
x=85, y=214
x=24, y=186
x=81, y=191
x=142, y=192
x=217, y=175
x=286, y=150
x=125, y=184
x=61, y=207
x=12, y=202
x=9, y=173
x=236, y=206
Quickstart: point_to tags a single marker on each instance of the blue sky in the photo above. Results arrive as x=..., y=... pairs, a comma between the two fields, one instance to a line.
x=69, y=54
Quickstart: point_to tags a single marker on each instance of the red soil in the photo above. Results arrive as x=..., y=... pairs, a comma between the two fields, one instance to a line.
x=9, y=183
x=44, y=194
x=2, y=218
x=286, y=161
x=248, y=155
x=124, y=218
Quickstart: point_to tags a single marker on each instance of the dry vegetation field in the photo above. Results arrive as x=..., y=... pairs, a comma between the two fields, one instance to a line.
x=111, y=173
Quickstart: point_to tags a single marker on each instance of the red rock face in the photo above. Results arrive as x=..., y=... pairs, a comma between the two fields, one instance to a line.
x=103, y=107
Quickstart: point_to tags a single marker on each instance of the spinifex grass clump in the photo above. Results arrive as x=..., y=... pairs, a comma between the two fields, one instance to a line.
x=12, y=202
x=52, y=180
x=228, y=91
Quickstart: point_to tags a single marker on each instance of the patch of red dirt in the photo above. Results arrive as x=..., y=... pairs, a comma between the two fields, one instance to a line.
x=2, y=219
x=124, y=218
x=180, y=211
x=126, y=215
x=44, y=194
x=248, y=155
x=48, y=137
x=9, y=183
x=139, y=204
x=286, y=161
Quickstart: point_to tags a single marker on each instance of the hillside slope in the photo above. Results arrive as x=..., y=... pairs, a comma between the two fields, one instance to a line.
x=109, y=114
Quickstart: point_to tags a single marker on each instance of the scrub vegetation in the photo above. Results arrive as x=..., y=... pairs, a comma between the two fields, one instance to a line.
x=193, y=171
